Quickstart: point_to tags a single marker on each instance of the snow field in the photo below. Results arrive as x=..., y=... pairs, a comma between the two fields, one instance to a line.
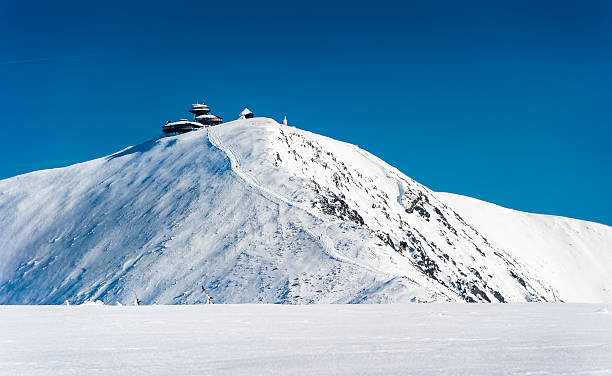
x=416, y=339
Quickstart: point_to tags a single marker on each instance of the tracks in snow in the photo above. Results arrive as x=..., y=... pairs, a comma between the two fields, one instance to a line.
x=216, y=141
x=324, y=239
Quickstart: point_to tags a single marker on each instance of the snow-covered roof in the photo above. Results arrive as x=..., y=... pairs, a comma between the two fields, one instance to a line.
x=182, y=122
x=246, y=111
x=195, y=108
x=206, y=116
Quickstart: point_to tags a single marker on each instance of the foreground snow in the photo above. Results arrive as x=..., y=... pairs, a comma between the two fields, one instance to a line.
x=437, y=339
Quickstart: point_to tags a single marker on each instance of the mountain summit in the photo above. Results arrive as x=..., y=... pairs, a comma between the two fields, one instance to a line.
x=252, y=211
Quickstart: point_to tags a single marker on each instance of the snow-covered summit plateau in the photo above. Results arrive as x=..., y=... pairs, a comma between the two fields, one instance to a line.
x=255, y=211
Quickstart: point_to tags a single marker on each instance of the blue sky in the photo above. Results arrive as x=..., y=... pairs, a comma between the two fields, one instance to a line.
x=505, y=101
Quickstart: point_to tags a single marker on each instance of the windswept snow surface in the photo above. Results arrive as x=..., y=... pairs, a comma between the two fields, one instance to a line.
x=258, y=212
x=402, y=339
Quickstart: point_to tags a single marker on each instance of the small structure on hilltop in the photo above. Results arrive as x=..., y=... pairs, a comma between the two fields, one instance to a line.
x=246, y=114
x=202, y=118
x=181, y=126
x=202, y=115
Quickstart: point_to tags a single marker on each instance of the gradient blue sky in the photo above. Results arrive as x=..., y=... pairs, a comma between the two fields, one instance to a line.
x=506, y=101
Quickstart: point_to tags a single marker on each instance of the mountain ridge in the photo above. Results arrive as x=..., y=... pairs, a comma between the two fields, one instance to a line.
x=256, y=211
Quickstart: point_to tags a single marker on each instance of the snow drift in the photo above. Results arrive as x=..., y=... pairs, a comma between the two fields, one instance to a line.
x=255, y=211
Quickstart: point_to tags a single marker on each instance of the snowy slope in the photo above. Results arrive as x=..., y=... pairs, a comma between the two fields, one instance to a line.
x=574, y=256
x=260, y=212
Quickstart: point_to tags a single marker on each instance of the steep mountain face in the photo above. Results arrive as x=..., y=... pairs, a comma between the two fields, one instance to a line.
x=255, y=211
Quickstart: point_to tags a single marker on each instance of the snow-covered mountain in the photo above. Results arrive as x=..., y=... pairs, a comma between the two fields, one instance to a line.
x=255, y=211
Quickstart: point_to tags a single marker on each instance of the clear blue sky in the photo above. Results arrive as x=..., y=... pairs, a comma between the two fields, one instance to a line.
x=506, y=101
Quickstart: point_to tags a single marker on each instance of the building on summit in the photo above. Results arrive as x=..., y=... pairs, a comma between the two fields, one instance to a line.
x=202, y=115
x=202, y=118
x=246, y=114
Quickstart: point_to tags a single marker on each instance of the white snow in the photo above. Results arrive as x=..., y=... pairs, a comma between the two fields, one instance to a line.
x=258, y=212
x=424, y=339
x=575, y=256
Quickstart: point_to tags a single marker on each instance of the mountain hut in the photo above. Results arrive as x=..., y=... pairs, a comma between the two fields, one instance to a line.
x=246, y=114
